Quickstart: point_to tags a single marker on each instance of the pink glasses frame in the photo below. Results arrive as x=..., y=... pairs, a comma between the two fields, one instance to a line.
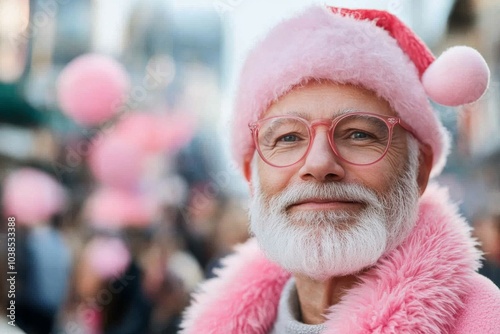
x=390, y=121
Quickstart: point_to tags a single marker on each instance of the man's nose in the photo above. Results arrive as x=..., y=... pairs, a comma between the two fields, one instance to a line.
x=321, y=163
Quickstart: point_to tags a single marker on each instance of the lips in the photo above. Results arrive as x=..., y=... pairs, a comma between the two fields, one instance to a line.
x=323, y=203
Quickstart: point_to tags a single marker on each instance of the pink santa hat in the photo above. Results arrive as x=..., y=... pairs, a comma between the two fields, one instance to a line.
x=369, y=48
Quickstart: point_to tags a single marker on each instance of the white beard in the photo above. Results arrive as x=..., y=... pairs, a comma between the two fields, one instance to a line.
x=323, y=244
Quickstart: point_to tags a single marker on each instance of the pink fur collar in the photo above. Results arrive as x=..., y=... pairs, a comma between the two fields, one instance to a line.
x=419, y=287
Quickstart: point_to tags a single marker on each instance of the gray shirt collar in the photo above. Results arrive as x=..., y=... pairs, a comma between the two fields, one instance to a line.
x=288, y=320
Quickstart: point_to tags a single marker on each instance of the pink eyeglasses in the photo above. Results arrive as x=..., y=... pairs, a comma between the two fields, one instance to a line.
x=357, y=138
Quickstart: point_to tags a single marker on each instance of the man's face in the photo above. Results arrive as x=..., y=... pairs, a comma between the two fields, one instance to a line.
x=322, y=216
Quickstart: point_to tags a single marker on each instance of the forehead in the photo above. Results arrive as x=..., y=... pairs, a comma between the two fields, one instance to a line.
x=327, y=100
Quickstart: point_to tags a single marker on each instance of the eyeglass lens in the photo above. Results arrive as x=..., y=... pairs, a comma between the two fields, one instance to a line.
x=358, y=139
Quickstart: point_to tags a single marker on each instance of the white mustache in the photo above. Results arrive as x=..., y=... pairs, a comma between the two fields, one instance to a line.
x=300, y=192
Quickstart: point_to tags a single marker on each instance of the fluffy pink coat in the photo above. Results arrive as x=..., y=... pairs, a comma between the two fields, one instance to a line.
x=426, y=285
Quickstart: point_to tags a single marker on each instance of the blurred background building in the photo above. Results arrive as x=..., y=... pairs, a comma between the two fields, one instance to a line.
x=186, y=207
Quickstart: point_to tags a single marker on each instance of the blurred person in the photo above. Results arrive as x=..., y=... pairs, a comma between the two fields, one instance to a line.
x=337, y=139
x=37, y=201
x=230, y=230
x=198, y=220
x=171, y=274
x=47, y=270
x=7, y=324
x=170, y=301
x=487, y=230
x=106, y=294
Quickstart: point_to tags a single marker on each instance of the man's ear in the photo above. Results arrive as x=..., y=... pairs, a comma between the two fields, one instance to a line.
x=247, y=171
x=425, y=166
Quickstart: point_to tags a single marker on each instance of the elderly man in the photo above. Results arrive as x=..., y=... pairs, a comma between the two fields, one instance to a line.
x=336, y=136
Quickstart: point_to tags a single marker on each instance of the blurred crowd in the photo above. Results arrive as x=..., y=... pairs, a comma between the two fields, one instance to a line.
x=98, y=265
x=109, y=165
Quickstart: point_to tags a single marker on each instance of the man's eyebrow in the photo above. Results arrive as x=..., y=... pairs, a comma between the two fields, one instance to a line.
x=346, y=111
x=337, y=113
x=298, y=114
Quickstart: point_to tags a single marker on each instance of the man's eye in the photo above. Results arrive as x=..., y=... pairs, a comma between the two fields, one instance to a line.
x=288, y=138
x=360, y=135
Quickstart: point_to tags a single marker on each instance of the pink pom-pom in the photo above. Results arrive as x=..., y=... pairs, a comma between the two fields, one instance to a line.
x=112, y=208
x=91, y=88
x=117, y=161
x=107, y=257
x=32, y=196
x=459, y=76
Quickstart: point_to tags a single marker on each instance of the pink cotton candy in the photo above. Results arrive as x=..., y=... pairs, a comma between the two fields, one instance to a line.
x=92, y=88
x=107, y=257
x=112, y=208
x=117, y=161
x=141, y=129
x=179, y=130
x=459, y=76
x=32, y=196
x=156, y=133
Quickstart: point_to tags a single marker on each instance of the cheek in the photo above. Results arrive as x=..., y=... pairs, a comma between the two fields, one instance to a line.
x=396, y=158
x=380, y=177
x=273, y=180
x=376, y=178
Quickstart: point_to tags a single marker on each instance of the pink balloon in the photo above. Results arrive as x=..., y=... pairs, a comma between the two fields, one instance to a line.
x=91, y=88
x=32, y=196
x=107, y=257
x=112, y=208
x=117, y=161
